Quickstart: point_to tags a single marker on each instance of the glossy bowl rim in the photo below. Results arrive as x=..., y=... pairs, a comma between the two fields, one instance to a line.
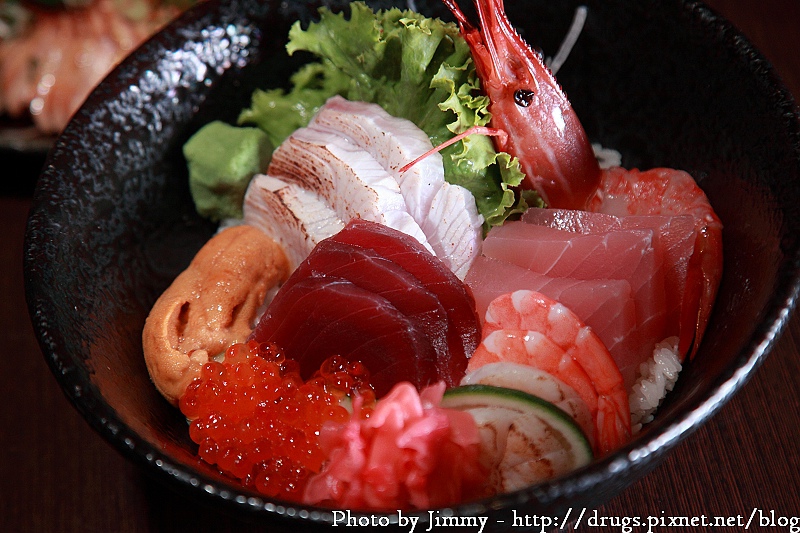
x=638, y=454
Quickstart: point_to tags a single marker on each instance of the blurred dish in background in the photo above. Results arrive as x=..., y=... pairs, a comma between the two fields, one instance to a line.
x=54, y=52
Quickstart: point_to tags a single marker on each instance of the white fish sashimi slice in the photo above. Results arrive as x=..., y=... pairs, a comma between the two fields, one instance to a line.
x=340, y=173
x=454, y=228
x=538, y=383
x=393, y=142
x=352, y=182
x=296, y=218
x=446, y=213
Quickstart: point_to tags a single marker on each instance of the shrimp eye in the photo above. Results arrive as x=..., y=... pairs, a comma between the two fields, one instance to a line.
x=523, y=97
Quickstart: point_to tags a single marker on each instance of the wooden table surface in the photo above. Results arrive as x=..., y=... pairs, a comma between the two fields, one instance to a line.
x=56, y=474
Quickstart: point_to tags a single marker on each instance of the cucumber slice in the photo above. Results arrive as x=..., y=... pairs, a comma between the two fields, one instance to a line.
x=526, y=439
x=538, y=383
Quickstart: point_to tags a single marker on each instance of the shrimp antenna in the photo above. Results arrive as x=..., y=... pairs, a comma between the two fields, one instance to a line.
x=571, y=38
x=474, y=130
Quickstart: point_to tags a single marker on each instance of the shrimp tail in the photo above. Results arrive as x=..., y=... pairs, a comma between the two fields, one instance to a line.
x=709, y=249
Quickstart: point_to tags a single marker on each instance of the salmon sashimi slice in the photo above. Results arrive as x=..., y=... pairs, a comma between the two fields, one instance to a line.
x=674, y=237
x=619, y=254
x=319, y=317
x=605, y=305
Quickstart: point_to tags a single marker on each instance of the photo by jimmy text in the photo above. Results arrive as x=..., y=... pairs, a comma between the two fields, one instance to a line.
x=414, y=523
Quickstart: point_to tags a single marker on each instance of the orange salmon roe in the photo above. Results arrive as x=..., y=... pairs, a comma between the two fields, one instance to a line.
x=254, y=417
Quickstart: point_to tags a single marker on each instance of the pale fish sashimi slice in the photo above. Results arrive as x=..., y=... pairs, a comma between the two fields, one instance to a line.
x=296, y=218
x=350, y=180
x=674, y=235
x=393, y=142
x=605, y=305
x=538, y=383
x=454, y=228
x=619, y=254
x=446, y=213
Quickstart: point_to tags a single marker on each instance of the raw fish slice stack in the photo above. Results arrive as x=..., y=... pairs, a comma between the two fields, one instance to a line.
x=393, y=142
x=349, y=158
x=586, y=252
x=605, y=304
x=618, y=255
x=294, y=217
x=674, y=236
x=375, y=294
x=461, y=318
x=446, y=213
x=350, y=180
x=322, y=316
x=369, y=270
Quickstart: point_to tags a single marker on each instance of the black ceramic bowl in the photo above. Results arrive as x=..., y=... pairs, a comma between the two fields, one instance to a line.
x=666, y=83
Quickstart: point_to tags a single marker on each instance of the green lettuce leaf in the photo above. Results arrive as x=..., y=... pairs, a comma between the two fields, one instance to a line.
x=414, y=67
x=279, y=113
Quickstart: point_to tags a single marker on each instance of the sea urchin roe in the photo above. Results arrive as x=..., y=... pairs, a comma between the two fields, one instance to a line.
x=258, y=421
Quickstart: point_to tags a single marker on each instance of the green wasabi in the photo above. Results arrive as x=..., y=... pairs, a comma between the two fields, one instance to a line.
x=222, y=159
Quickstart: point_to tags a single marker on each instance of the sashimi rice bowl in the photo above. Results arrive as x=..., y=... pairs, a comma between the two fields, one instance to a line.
x=440, y=255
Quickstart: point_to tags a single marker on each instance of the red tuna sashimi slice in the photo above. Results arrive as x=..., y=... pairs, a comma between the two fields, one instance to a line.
x=323, y=316
x=370, y=271
x=464, y=326
x=606, y=305
x=619, y=254
x=675, y=237
x=515, y=325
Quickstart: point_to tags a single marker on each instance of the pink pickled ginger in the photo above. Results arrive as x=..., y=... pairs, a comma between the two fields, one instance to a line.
x=410, y=453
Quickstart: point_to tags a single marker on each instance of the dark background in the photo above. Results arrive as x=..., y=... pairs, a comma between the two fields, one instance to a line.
x=57, y=475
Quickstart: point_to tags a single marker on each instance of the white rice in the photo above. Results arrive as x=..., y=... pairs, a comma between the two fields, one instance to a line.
x=606, y=157
x=657, y=377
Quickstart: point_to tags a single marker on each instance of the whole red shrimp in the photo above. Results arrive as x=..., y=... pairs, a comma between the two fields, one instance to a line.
x=545, y=134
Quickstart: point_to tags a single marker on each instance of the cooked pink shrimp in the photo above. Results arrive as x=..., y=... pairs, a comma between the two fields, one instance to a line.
x=554, y=152
x=529, y=328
